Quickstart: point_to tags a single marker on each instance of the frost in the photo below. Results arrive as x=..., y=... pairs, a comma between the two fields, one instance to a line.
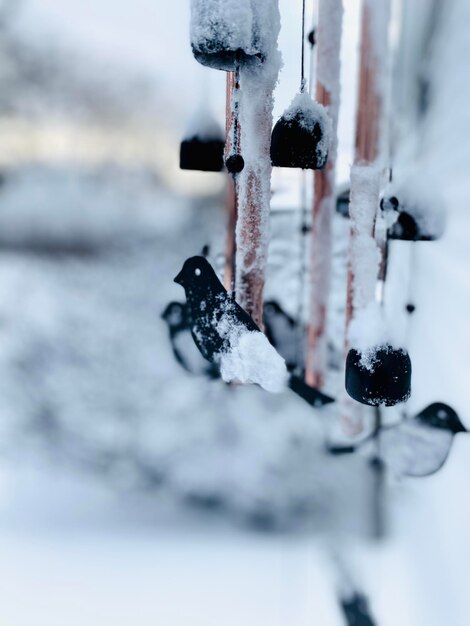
x=365, y=255
x=219, y=27
x=252, y=359
x=254, y=183
x=330, y=17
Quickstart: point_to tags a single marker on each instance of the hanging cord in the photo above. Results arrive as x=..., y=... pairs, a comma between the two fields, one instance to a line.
x=304, y=230
x=304, y=226
x=302, y=54
x=234, y=127
x=236, y=108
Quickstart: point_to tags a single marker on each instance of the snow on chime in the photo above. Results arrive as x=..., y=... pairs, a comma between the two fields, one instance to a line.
x=228, y=33
x=203, y=145
x=301, y=136
x=379, y=376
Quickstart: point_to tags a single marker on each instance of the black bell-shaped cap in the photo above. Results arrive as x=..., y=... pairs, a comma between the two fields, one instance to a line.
x=228, y=34
x=301, y=136
x=203, y=146
x=203, y=155
x=383, y=377
x=213, y=54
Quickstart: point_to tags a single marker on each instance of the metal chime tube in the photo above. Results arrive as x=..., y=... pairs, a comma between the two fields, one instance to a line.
x=231, y=121
x=330, y=13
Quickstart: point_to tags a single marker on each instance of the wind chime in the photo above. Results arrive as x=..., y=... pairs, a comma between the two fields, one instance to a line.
x=234, y=36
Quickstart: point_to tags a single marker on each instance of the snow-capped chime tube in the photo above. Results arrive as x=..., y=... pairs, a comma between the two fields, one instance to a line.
x=203, y=146
x=226, y=33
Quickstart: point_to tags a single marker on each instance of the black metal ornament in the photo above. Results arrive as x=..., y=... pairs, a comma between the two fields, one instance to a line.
x=235, y=163
x=387, y=381
x=224, y=39
x=201, y=154
x=208, y=304
x=443, y=416
x=298, y=141
x=214, y=54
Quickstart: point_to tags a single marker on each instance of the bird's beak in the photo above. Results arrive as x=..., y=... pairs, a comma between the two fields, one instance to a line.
x=462, y=429
x=179, y=278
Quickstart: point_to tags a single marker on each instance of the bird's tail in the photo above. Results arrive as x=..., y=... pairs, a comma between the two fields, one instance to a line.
x=311, y=395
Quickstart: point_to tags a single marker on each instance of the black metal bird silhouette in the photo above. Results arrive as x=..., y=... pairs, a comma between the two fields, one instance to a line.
x=226, y=335
x=418, y=446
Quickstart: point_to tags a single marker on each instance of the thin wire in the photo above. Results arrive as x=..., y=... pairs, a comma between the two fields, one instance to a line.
x=302, y=56
x=302, y=274
x=304, y=229
x=236, y=108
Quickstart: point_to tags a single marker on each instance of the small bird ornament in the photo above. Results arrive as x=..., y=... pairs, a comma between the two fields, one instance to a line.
x=226, y=335
x=418, y=446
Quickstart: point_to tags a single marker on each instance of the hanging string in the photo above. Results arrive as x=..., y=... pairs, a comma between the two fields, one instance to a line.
x=304, y=226
x=304, y=229
x=302, y=55
x=236, y=108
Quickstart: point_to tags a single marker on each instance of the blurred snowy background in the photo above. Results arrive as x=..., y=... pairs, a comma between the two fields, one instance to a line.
x=131, y=492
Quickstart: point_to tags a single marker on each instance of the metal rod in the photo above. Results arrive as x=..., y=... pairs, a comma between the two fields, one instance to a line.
x=232, y=132
x=324, y=196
